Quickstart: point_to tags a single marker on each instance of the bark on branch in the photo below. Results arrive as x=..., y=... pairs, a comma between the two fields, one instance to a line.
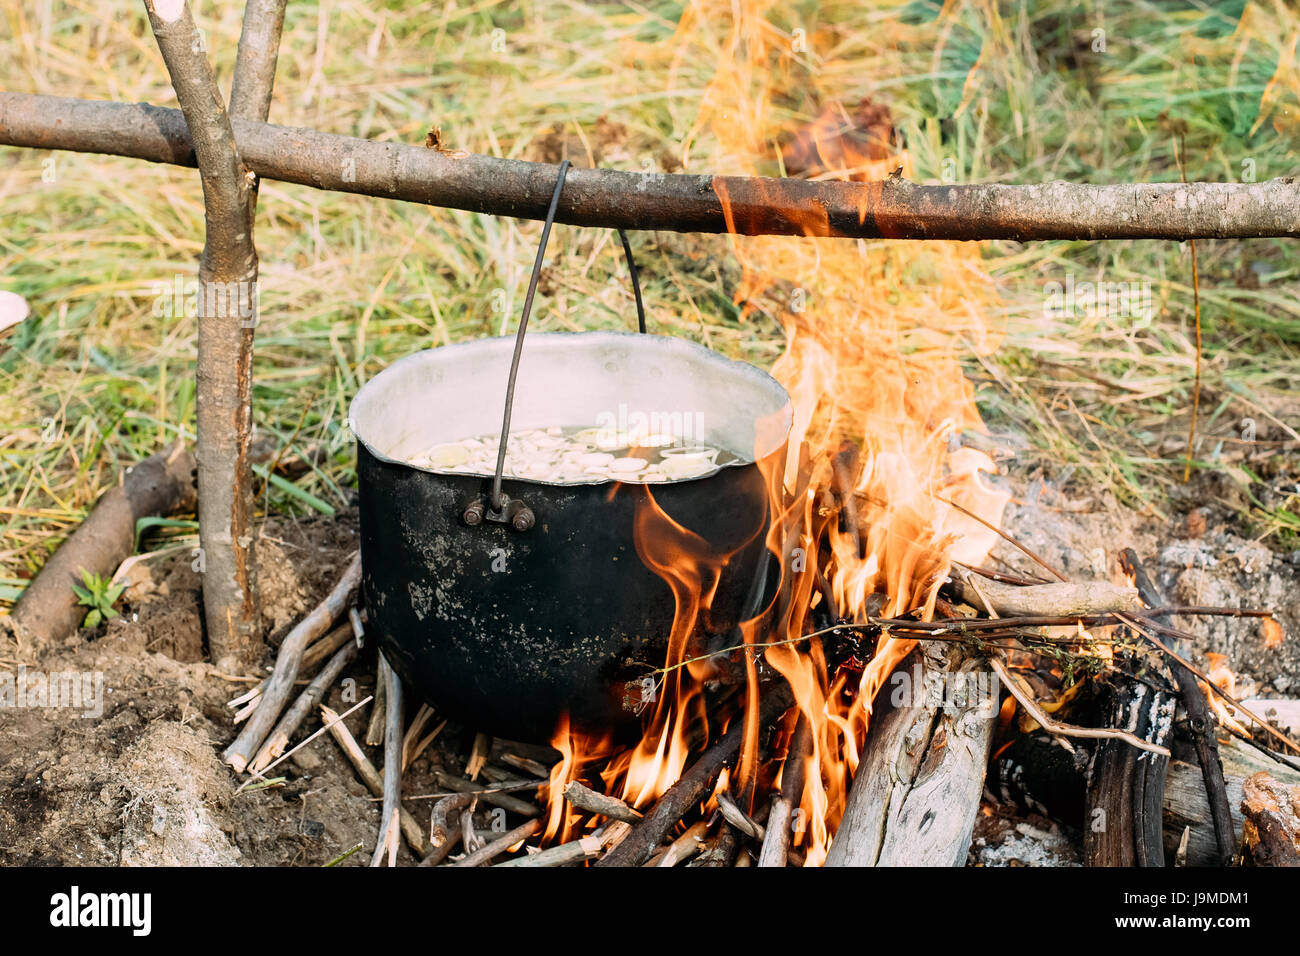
x=259, y=49
x=894, y=208
x=227, y=317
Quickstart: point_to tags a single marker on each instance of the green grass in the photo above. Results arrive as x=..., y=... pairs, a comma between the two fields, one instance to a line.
x=991, y=92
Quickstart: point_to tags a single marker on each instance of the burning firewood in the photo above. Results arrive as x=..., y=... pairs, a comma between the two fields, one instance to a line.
x=1272, y=827
x=917, y=790
x=587, y=799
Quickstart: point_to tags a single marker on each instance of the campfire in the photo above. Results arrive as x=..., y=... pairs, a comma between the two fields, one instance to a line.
x=693, y=612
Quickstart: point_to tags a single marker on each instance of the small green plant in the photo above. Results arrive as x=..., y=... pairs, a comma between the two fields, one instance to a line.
x=99, y=595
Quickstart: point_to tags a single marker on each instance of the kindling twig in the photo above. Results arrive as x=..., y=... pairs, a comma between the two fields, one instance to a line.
x=1149, y=629
x=1199, y=722
x=587, y=799
x=491, y=851
x=1026, y=701
x=287, y=663
x=776, y=843
x=392, y=769
x=306, y=702
x=412, y=832
x=260, y=774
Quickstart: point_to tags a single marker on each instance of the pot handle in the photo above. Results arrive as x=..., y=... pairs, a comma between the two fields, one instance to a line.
x=500, y=508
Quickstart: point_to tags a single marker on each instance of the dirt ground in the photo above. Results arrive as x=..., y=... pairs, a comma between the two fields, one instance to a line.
x=143, y=783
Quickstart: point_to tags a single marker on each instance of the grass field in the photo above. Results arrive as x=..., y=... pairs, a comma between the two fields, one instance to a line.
x=101, y=375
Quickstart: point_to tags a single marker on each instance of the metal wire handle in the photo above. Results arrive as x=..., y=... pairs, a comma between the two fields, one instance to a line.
x=501, y=509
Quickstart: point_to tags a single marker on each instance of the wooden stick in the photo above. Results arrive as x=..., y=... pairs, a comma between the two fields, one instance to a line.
x=162, y=484
x=646, y=836
x=227, y=317
x=738, y=818
x=1026, y=700
x=562, y=855
x=892, y=208
x=1200, y=722
x=375, y=729
x=422, y=717
x=315, y=653
x=685, y=846
x=259, y=48
x=587, y=799
x=444, y=819
x=526, y=764
x=491, y=851
x=451, y=837
x=1056, y=600
x=280, y=683
x=776, y=843
x=504, y=800
x=412, y=832
x=278, y=739
x=392, y=769
x=469, y=839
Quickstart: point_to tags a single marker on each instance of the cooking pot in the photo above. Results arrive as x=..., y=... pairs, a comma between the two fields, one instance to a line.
x=506, y=629
x=507, y=603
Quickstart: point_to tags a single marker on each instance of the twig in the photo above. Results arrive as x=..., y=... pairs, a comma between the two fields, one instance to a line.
x=685, y=846
x=469, y=839
x=493, y=795
x=776, y=843
x=306, y=702
x=1066, y=730
x=738, y=818
x=315, y=653
x=687, y=791
x=392, y=769
x=259, y=777
x=587, y=799
x=287, y=663
x=412, y=832
x=1150, y=628
x=491, y=851
x=1199, y=721
x=562, y=855
x=1007, y=538
x=422, y=717
x=375, y=729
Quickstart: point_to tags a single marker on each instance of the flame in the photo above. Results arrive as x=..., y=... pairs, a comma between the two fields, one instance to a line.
x=866, y=508
x=1223, y=678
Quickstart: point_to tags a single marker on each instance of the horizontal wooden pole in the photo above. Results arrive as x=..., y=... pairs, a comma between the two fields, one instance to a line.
x=893, y=208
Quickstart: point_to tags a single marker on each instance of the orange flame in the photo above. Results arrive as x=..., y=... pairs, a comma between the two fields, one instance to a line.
x=862, y=509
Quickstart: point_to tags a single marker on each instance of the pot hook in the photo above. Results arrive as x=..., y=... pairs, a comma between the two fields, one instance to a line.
x=500, y=508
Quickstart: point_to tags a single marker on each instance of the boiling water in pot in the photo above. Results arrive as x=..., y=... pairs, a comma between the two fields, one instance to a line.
x=578, y=455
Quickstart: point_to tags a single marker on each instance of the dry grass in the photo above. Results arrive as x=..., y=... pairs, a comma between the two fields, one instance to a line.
x=980, y=91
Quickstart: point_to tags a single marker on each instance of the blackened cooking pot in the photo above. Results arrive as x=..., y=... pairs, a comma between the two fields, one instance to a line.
x=507, y=630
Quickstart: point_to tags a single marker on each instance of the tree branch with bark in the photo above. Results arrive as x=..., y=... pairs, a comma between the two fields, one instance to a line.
x=227, y=316
x=893, y=208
